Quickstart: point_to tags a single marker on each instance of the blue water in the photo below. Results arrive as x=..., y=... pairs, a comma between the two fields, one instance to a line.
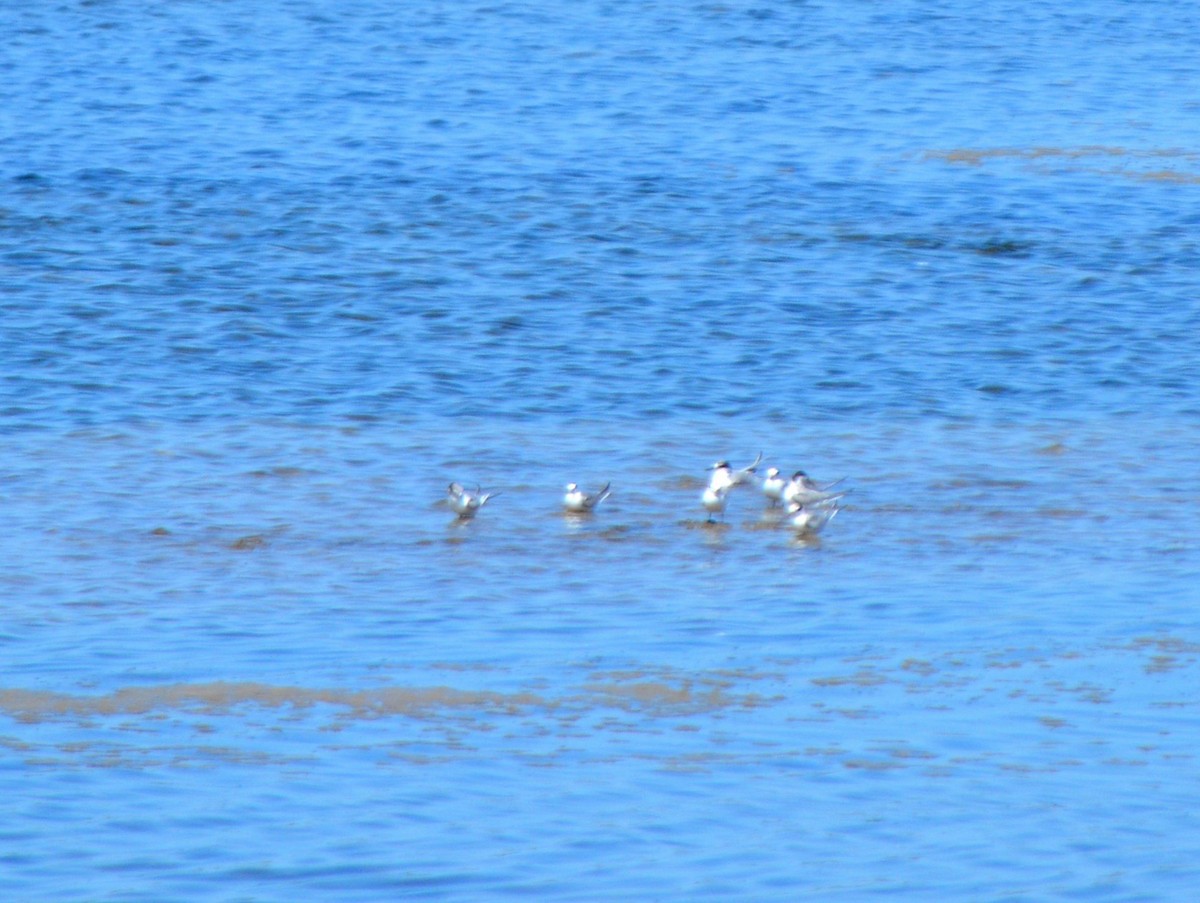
x=270, y=278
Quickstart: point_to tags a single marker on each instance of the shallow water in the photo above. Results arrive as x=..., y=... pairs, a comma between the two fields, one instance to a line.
x=272, y=279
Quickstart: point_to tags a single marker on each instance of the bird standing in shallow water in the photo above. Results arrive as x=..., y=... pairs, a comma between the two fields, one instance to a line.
x=714, y=500
x=773, y=485
x=464, y=503
x=576, y=501
x=808, y=521
x=724, y=478
x=801, y=491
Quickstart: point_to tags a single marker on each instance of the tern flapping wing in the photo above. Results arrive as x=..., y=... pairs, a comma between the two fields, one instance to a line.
x=725, y=476
x=801, y=490
x=578, y=501
x=745, y=473
x=810, y=520
x=799, y=496
x=465, y=503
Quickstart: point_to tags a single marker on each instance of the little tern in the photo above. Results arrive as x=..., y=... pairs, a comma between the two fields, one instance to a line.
x=465, y=503
x=576, y=501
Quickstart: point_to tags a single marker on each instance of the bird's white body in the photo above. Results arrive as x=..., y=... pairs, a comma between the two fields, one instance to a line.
x=723, y=479
x=801, y=491
x=810, y=520
x=773, y=485
x=465, y=503
x=576, y=501
x=714, y=500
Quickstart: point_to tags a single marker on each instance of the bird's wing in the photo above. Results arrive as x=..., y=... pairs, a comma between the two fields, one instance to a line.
x=753, y=466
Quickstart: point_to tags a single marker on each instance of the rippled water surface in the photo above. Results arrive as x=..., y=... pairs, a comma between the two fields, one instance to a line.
x=271, y=278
